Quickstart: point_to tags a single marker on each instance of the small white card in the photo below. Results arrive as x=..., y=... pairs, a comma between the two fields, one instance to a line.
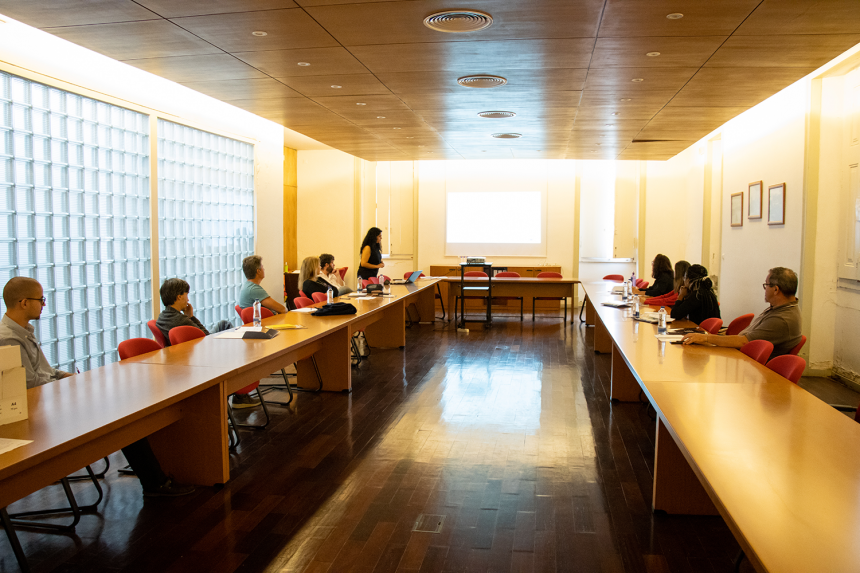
x=7, y=445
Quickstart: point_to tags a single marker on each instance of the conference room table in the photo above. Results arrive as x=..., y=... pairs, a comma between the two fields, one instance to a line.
x=736, y=439
x=527, y=287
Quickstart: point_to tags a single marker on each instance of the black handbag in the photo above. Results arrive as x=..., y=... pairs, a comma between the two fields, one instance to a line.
x=335, y=308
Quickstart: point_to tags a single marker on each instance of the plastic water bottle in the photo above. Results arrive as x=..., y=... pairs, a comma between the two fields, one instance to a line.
x=635, y=307
x=626, y=293
x=329, y=295
x=258, y=320
x=661, y=321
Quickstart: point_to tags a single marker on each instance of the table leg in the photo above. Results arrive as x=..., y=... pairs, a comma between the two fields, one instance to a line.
x=623, y=385
x=425, y=302
x=390, y=330
x=602, y=340
x=677, y=490
x=590, y=313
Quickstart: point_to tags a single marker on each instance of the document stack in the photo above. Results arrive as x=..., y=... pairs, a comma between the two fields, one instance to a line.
x=13, y=386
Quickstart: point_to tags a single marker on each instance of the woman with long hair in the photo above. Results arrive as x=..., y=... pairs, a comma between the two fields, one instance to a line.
x=670, y=297
x=697, y=300
x=371, y=254
x=664, y=278
x=310, y=279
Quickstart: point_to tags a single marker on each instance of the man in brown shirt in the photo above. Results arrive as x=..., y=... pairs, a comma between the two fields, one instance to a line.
x=779, y=324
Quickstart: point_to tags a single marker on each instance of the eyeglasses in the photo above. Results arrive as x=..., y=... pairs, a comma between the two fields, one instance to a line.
x=43, y=300
x=765, y=285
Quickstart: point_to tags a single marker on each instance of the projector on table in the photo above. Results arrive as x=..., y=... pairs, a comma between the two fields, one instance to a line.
x=476, y=260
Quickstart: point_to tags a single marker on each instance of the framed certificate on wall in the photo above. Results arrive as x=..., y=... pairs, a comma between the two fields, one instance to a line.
x=755, y=200
x=738, y=210
x=776, y=204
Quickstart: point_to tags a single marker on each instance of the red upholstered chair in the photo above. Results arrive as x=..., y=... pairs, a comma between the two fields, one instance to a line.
x=510, y=274
x=302, y=293
x=711, y=325
x=342, y=272
x=738, y=324
x=548, y=275
x=796, y=350
x=182, y=334
x=788, y=366
x=156, y=333
x=640, y=284
x=758, y=350
x=136, y=347
x=382, y=278
x=302, y=301
x=616, y=278
x=319, y=296
x=484, y=297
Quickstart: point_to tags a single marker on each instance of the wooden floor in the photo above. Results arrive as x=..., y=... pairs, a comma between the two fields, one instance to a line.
x=506, y=435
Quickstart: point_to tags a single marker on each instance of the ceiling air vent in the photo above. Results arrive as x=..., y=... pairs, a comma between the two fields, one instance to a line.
x=497, y=114
x=481, y=81
x=507, y=135
x=458, y=21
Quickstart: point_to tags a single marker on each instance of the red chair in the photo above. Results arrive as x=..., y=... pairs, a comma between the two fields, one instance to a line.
x=711, y=325
x=465, y=298
x=302, y=301
x=238, y=310
x=302, y=293
x=738, y=324
x=549, y=275
x=510, y=274
x=640, y=284
x=156, y=333
x=181, y=334
x=319, y=296
x=788, y=366
x=758, y=350
x=616, y=278
x=247, y=316
x=342, y=272
x=137, y=346
x=370, y=281
x=796, y=350
x=382, y=278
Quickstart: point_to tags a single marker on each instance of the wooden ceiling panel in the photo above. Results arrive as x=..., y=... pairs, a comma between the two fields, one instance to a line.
x=373, y=104
x=74, y=12
x=802, y=17
x=285, y=29
x=674, y=133
x=492, y=99
x=403, y=22
x=253, y=89
x=174, y=9
x=392, y=120
x=136, y=40
x=674, y=52
x=445, y=82
x=612, y=112
x=694, y=117
x=735, y=87
x=198, y=68
x=628, y=18
x=350, y=85
x=624, y=98
x=476, y=57
x=653, y=79
x=285, y=63
x=549, y=117
x=793, y=51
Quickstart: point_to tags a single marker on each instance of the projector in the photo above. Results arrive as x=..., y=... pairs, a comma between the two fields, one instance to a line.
x=476, y=260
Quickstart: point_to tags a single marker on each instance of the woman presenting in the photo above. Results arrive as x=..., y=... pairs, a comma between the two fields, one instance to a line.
x=371, y=254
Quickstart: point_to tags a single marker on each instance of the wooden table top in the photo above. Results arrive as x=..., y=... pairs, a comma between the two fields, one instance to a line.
x=527, y=280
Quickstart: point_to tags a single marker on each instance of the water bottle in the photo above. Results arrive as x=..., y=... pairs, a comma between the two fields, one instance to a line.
x=329, y=296
x=635, y=307
x=257, y=313
x=661, y=321
x=626, y=293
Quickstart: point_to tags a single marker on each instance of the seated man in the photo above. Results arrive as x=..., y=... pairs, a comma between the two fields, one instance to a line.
x=330, y=275
x=255, y=273
x=24, y=300
x=179, y=312
x=779, y=324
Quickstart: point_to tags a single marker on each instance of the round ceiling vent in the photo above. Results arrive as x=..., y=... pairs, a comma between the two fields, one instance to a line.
x=458, y=21
x=497, y=114
x=481, y=81
x=507, y=135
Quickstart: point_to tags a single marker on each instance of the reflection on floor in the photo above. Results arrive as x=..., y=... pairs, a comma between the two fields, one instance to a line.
x=506, y=432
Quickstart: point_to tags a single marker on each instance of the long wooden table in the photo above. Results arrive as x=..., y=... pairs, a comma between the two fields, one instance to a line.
x=527, y=287
x=736, y=439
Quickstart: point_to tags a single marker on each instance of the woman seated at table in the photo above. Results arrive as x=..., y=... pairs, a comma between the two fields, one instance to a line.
x=310, y=279
x=669, y=298
x=696, y=299
x=661, y=272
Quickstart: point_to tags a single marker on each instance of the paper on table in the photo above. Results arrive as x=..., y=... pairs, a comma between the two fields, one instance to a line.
x=238, y=332
x=287, y=326
x=305, y=309
x=669, y=337
x=7, y=445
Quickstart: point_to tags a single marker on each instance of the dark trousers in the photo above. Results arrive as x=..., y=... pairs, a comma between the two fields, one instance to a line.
x=142, y=460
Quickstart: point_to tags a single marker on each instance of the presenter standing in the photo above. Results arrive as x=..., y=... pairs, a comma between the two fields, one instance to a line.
x=371, y=254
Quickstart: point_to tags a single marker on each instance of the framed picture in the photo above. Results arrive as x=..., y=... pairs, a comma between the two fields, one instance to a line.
x=738, y=210
x=776, y=204
x=755, y=201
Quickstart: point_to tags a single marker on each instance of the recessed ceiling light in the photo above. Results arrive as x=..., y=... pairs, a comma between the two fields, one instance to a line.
x=675, y=16
x=496, y=114
x=259, y=33
x=507, y=135
x=615, y=113
x=626, y=99
x=409, y=137
x=637, y=80
x=380, y=117
x=304, y=63
x=458, y=21
x=607, y=125
x=360, y=104
x=598, y=144
x=395, y=128
x=482, y=81
x=652, y=54
x=336, y=87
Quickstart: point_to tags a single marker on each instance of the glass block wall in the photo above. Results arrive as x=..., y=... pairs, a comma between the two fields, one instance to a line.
x=206, y=216
x=74, y=185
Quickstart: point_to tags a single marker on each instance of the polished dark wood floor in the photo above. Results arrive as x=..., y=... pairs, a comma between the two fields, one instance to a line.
x=507, y=433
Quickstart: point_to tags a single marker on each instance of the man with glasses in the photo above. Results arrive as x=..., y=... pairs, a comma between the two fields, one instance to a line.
x=779, y=324
x=24, y=299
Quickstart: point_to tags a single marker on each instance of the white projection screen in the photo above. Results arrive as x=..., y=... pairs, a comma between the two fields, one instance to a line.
x=496, y=208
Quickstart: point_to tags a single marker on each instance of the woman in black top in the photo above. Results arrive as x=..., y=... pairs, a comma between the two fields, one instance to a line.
x=310, y=279
x=696, y=299
x=664, y=278
x=371, y=254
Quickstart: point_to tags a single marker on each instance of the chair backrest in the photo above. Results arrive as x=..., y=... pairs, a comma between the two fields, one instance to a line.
x=550, y=275
x=137, y=346
x=796, y=350
x=319, y=296
x=302, y=293
x=616, y=278
x=758, y=350
x=180, y=334
x=247, y=314
x=302, y=301
x=408, y=274
x=509, y=274
x=738, y=324
x=643, y=284
x=238, y=310
x=474, y=274
x=383, y=278
x=711, y=325
x=342, y=272
x=156, y=333
x=788, y=366
x=373, y=280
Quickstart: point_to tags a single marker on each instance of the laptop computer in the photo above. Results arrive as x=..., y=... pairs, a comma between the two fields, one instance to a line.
x=412, y=278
